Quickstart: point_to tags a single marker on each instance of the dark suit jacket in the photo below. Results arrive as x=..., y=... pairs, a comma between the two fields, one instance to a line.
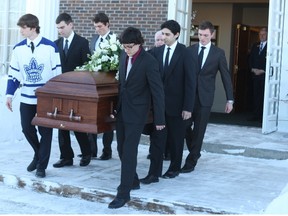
x=179, y=81
x=94, y=39
x=216, y=61
x=256, y=60
x=77, y=53
x=135, y=92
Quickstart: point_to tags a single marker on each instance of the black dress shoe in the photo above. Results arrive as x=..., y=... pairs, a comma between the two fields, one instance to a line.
x=170, y=174
x=105, y=156
x=32, y=166
x=149, y=179
x=92, y=155
x=135, y=186
x=40, y=173
x=118, y=203
x=63, y=162
x=187, y=169
x=85, y=160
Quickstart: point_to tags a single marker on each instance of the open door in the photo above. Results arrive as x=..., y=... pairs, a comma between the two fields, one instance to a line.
x=245, y=37
x=241, y=74
x=273, y=65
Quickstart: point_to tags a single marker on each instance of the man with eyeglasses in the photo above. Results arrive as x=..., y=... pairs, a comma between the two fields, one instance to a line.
x=139, y=80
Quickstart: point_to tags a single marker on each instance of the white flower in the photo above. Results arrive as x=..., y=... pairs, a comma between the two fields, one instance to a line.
x=114, y=47
x=106, y=58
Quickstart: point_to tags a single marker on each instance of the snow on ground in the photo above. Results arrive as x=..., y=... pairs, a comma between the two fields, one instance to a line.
x=10, y=130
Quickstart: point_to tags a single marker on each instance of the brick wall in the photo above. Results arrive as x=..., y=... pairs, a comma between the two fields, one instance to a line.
x=147, y=15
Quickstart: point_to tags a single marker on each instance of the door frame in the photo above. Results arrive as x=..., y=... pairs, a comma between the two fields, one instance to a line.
x=273, y=66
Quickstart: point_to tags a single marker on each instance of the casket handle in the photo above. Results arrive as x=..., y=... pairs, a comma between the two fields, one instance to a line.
x=54, y=114
x=71, y=117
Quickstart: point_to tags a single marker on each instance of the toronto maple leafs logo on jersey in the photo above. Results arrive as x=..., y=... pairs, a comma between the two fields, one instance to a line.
x=33, y=71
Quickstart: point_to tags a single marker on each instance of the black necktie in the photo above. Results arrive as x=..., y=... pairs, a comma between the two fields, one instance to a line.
x=32, y=47
x=200, y=57
x=261, y=47
x=101, y=40
x=66, y=47
x=166, y=63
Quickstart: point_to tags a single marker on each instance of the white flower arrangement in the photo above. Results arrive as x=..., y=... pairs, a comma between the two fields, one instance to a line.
x=106, y=58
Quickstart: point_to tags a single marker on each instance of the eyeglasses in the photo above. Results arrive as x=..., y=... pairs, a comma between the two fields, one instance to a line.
x=130, y=46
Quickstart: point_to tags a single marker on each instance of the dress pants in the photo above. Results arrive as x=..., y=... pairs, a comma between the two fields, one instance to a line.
x=176, y=129
x=107, y=140
x=200, y=119
x=128, y=137
x=42, y=148
x=157, y=146
x=65, y=144
x=157, y=138
x=258, y=95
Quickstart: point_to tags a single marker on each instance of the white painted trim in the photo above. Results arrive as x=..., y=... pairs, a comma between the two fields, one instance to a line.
x=47, y=12
x=172, y=7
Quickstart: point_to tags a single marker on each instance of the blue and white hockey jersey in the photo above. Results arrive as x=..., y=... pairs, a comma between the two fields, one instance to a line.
x=32, y=70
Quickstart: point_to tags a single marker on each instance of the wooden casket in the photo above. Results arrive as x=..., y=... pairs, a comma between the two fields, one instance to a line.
x=78, y=101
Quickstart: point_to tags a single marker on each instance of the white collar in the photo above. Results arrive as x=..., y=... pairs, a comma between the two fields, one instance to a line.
x=207, y=46
x=36, y=41
x=70, y=38
x=173, y=46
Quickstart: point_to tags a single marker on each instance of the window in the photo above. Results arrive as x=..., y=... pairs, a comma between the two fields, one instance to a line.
x=10, y=11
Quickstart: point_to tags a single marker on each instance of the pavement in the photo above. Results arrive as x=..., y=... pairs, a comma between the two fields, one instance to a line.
x=241, y=171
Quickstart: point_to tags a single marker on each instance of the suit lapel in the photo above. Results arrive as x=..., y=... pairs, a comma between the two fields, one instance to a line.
x=173, y=61
x=61, y=51
x=160, y=57
x=135, y=64
x=71, y=47
x=122, y=70
x=73, y=42
x=209, y=56
x=93, y=43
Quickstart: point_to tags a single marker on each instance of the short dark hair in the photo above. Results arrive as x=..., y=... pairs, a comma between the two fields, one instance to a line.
x=172, y=25
x=64, y=17
x=207, y=25
x=101, y=17
x=264, y=29
x=30, y=21
x=131, y=35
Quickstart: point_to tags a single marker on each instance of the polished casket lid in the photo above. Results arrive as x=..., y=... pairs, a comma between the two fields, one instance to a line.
x=79, y=101
x=84, y=84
